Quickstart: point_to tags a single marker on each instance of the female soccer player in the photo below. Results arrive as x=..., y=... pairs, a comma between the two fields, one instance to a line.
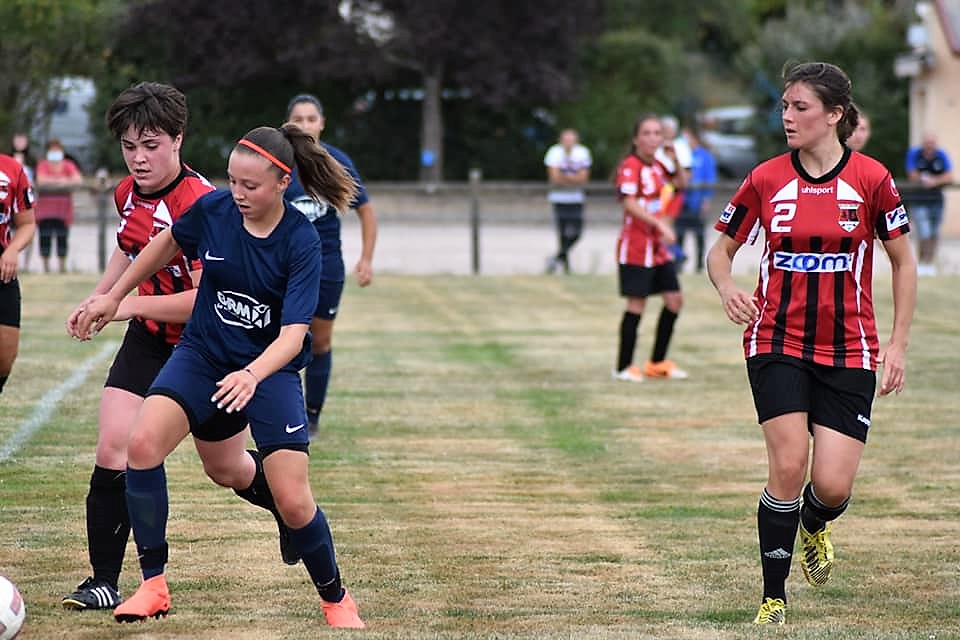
x=16, y=233
x=306, y=111
x=149, y=120
x=811, y=339
x=646, y=267
x=241, y=350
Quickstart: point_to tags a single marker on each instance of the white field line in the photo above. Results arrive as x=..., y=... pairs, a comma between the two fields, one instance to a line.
x=48, y=403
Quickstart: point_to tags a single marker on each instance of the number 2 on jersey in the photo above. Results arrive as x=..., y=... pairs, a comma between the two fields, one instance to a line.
x=780, y=220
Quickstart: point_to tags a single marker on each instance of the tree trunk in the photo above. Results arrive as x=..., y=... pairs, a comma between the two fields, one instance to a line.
x=431, y=131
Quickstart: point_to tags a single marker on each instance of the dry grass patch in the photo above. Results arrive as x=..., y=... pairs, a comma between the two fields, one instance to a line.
x=485, y=478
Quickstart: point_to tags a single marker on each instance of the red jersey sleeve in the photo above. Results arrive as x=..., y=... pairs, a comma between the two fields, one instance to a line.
x=628, y=177
x=892, y=221
x=740, y=219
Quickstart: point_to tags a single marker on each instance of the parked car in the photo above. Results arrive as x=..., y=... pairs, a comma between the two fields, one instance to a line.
x=728, y=132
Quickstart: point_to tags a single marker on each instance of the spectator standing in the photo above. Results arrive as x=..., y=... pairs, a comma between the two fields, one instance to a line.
x=928, y=166
x=568, y=168
x=697, y=199
x=20, y=150
x=56, y=177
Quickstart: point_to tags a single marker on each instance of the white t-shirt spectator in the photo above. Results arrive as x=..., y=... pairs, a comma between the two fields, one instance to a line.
x=568, y=163
x=684, y=155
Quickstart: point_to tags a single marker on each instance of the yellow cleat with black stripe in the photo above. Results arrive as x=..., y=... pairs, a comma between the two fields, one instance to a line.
x=816, y=555
x=772, y=611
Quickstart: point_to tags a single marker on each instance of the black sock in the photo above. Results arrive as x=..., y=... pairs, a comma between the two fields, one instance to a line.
x=628, y=339
x=664, y=333
x=777, y=522
x=108, y=524
x=3, y=381
x=814, y=514
x=258, y=492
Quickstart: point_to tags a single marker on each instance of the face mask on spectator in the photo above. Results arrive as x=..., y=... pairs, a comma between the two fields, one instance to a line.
x=54, y=155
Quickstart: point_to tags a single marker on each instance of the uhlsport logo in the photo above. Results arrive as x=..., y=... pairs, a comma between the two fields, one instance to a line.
x=241, y=310
x=813, y=262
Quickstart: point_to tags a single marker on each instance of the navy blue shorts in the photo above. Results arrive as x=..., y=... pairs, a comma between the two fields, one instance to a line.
x=276, y=412
x=334, y=272
x=10, y=303
x=835, y=397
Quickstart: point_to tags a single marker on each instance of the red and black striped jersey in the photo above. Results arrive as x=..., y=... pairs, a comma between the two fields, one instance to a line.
x=815, y=288
x=640, y=243
x=143, y=216
x=16, y=195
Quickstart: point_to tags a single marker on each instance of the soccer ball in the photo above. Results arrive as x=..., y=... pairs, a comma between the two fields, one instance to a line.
x=12, y=610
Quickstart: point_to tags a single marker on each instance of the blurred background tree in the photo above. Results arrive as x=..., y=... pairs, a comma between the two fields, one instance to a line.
x=494, y=81
x=861, y=37
x=43, y=40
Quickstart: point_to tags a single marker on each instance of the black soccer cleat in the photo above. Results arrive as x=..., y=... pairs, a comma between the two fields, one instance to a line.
x=91, y=594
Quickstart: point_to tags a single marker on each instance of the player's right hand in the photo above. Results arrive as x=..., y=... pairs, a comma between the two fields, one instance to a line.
x=97, y=312
x=740, y=306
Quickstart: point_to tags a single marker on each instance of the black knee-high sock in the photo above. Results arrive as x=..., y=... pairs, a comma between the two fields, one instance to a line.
x=815, y=515
x=628, y=339
x=664, y=333
x=108, y=525
x=777, y=522
x=258, y=492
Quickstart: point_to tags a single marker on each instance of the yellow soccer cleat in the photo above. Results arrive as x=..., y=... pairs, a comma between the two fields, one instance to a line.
x=816, y=555
x=772, y=611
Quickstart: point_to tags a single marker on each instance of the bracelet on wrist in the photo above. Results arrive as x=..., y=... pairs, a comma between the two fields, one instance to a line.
x=252, y=375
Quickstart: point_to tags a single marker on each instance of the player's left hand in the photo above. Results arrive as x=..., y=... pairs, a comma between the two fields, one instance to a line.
x=235, y=390
x=8, y=264
x=894, y=361
x=364, y=271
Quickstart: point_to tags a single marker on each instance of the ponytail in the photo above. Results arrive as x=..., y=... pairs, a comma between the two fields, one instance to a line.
x=323, y=178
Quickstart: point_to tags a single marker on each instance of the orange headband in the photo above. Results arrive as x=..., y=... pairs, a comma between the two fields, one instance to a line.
x=266, y=154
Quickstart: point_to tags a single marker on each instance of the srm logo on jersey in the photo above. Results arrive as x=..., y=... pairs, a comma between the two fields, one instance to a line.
x=813, y=262
x=241, y=310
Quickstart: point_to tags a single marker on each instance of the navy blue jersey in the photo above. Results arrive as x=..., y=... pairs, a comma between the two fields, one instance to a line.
x=250, y=286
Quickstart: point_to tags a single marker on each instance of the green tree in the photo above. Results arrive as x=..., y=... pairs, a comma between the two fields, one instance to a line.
x=863, y=39
x=43, y=40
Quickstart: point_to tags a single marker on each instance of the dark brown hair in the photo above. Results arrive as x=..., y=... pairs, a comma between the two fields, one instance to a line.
x=643, y=117
x=148, y=106
x=832, y=86
x=323, y=178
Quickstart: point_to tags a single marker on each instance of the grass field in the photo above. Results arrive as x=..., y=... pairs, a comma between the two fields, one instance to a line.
x=485, y=478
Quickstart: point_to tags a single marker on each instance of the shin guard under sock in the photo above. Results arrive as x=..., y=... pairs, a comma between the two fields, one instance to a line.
x=108, y=525
x=149, y=507
x=814, y=514
x=315, y=544
x=664, y=333
x=777, y=522
x=628, y=339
